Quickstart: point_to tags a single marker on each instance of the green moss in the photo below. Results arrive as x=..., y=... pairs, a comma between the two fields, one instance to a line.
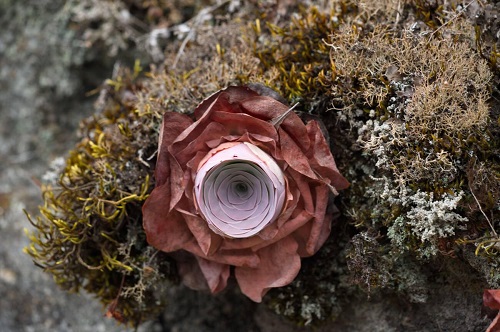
x=298, y=52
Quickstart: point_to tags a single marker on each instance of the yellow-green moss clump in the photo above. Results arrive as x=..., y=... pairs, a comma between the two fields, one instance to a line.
x=89, y=234
x=407, y=100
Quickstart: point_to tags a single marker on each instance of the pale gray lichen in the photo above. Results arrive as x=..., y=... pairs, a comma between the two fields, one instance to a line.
x=432, y=218
x=428, y=219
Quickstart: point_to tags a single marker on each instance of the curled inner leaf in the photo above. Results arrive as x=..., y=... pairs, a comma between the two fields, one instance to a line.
x=239, y=190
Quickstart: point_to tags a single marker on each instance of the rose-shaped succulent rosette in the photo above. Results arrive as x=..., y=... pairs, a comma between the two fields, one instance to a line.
x=244, y=185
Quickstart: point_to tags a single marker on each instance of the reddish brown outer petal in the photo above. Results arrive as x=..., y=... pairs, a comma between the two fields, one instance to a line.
x=240, y=123
x=294, y=156
x=215, y=274
x=180, y=176
x=267, y=108
x=237, y=257
x=208, y=241
x=209, y=132
x=267, y=144
x=234, y=94
x=303, y=184
x=290, y=227
x=279, y=265
x=312, y=235
x=491, y=298
x=165, y=230
x=177, y=183
x=183, y=151
x=495, y=325
x=172, y=126
x=321, y=159
x=219, y=104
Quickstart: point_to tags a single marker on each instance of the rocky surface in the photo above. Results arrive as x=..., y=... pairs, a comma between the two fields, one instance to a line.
x=42, y=99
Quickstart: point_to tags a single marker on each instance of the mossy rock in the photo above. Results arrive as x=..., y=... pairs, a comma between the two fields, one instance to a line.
x=410, y=107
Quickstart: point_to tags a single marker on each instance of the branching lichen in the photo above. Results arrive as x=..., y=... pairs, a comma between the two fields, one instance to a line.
x=427, y=220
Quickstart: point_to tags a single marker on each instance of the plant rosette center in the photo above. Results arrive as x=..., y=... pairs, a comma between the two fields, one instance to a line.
x=239, y=189
x=242, y=188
